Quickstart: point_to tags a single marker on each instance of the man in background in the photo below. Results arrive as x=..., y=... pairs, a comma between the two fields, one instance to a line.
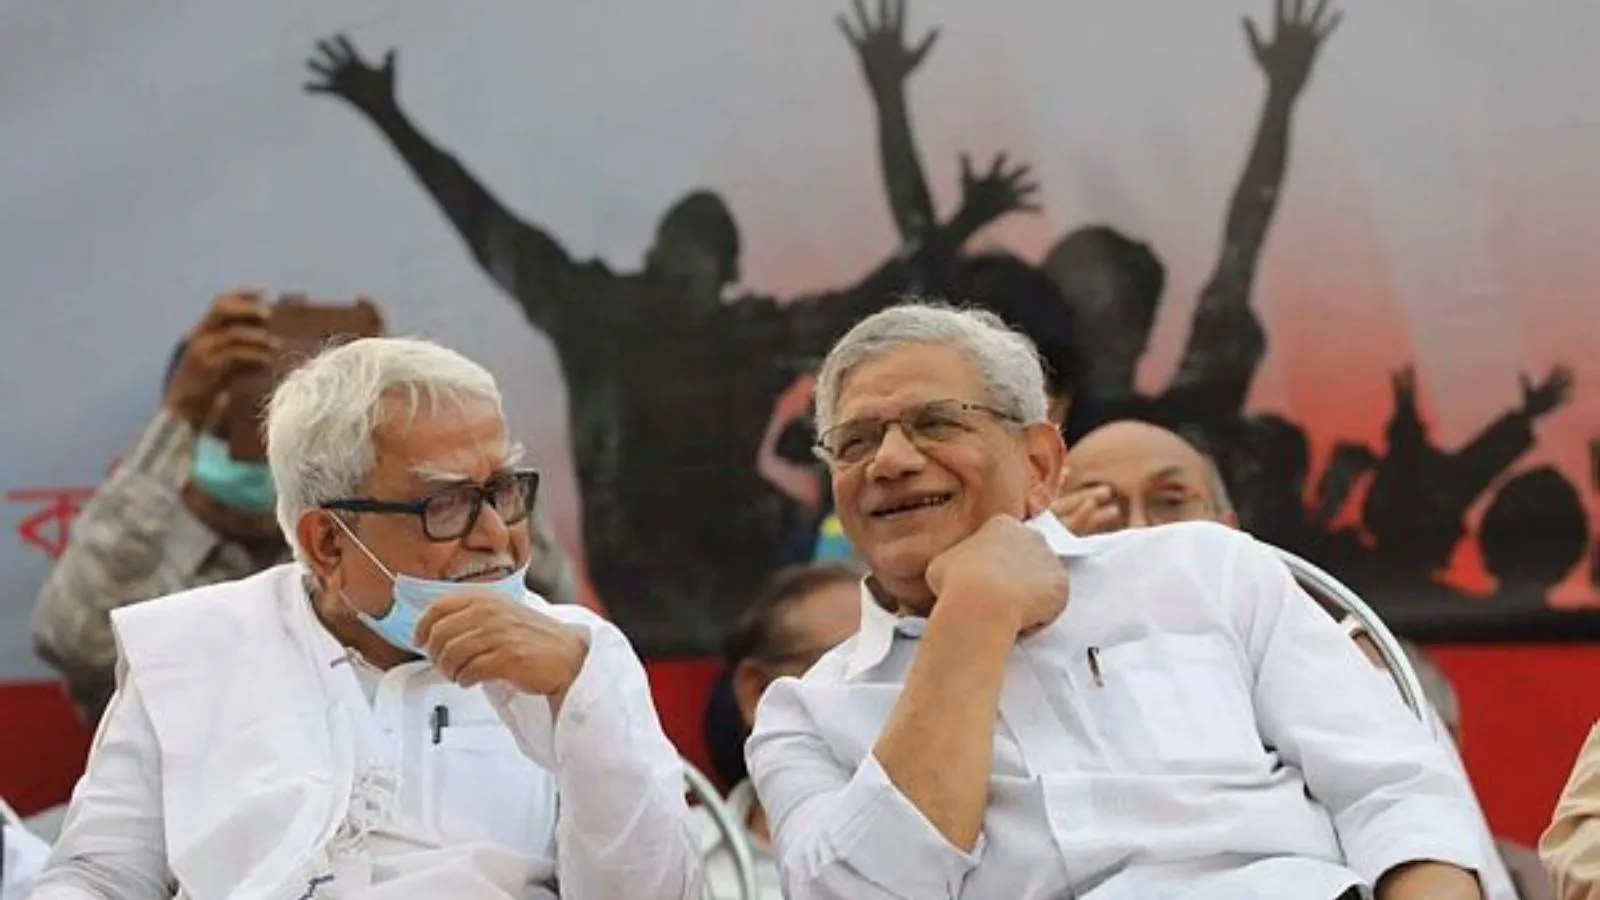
x=802, y=612
x=179, y=512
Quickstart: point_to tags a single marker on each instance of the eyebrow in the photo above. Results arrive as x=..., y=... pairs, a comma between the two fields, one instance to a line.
x=436, y=474
x=1169, y=472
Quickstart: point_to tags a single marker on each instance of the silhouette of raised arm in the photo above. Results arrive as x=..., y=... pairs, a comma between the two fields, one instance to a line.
x=1226, y=342
x=886, y=63
x=523, y=260
x=1484, y=458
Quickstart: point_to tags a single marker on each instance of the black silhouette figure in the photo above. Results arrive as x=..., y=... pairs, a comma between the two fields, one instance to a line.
x=1114, y=283
x=1269, y=459
x=1533, y=534
x=1419, y=495
x=670, y=386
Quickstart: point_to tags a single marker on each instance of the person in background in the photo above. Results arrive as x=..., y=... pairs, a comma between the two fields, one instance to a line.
x=394, y=714
x=801, y=612
x=1570, y=847
x=180, y=512
x=177, y=513
x=1131, y=474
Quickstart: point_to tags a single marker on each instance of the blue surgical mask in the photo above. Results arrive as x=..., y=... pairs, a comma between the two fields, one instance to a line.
x=412, y=596
x=241, y=486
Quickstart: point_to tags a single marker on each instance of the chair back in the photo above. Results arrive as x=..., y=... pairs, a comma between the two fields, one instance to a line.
x=699, y=787
x=1356, y=615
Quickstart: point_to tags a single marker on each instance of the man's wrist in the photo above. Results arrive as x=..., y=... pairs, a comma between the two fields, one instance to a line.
x=977, y=605
x=188, y=411
x=385, y=113
x=576, y=655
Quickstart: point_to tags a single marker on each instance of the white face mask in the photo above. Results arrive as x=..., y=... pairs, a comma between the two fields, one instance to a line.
x=412, y=596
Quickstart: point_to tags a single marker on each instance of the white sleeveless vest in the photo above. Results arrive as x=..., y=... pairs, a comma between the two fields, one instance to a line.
x=249, y=700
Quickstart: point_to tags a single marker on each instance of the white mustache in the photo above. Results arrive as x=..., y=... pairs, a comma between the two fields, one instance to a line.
x=499, y=562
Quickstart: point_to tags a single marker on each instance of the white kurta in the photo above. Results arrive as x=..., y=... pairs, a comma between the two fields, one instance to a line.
x=244, y=759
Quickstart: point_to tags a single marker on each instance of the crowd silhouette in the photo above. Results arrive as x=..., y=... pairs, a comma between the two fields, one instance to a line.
x=693, y=487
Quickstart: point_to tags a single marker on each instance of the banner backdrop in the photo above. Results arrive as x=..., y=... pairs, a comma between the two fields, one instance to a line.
x=1357, y=263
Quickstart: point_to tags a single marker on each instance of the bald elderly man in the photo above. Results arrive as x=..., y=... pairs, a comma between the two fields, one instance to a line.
x=1132, y=474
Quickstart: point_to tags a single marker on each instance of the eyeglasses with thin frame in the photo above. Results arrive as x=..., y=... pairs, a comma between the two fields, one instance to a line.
x=451, y=514
x=927, y=426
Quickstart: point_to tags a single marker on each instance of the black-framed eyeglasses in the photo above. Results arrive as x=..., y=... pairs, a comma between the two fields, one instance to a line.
x=452, y=513
x=926, y=426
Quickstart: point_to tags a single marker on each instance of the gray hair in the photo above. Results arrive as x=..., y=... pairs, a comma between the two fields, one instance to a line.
x=322, y=417
x=1013, y=376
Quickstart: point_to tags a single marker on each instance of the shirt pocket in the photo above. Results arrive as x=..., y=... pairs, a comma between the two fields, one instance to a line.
x=484, y=789
x=1175, y=704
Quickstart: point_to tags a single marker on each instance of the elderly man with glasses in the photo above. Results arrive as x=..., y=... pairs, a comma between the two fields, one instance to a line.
x=1030, y=714
x=393, y=715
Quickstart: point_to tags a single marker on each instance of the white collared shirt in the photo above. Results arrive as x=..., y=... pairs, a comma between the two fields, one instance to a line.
x=1193, y=725
x=482, y=800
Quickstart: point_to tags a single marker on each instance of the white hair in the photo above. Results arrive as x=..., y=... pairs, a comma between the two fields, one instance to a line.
x=322, y=417
x=1013, y=376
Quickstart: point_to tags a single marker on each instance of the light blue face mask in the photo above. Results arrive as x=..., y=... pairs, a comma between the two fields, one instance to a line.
x=242, y=486
x=412, y=596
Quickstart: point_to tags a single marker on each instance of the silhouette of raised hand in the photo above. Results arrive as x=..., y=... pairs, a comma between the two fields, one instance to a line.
x=1287, y=57
x=886, y=60
x=1542, y=398
x=1000, y=191
x=342, y=72
x=1406, y=430
x=1404, y=383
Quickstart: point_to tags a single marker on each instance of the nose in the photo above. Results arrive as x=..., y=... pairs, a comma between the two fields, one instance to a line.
x=1136, y=515
x=490, y=534
x=897, y=456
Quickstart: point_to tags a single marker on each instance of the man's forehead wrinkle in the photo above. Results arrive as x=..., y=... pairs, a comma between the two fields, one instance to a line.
x=455, y=467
